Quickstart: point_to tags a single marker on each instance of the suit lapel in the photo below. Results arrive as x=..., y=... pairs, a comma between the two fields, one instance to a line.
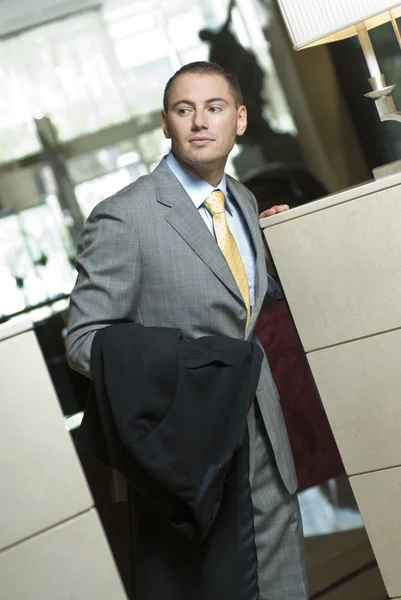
x=188, y=223
x=254, y=230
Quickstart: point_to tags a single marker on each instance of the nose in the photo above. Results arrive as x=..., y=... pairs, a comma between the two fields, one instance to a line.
x=199, y=120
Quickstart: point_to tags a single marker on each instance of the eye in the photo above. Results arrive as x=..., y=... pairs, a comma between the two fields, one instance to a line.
x=215, y=109
x=183, y=111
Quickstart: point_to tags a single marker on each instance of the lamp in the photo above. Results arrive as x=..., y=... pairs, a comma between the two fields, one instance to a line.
x=313, y=22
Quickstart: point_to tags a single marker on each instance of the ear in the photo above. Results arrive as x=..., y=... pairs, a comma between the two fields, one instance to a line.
x=242, y=120
x=165, y=126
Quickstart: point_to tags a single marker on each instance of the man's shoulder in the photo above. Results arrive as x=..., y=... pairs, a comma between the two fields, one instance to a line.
x=241, y=189
x=136, y=194
x=238, y=186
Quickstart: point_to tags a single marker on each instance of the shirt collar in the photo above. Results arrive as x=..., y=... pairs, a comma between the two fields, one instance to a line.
x=197, y=188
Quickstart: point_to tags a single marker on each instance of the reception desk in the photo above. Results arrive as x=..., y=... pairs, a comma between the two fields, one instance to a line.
x=339, y=262
x=52, y=544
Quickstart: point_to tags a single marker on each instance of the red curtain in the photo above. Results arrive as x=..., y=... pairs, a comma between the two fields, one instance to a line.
x=314, y=449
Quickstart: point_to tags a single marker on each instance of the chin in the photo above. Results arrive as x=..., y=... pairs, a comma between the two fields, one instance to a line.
x=203, y=158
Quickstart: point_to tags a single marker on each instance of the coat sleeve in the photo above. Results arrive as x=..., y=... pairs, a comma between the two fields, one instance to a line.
x=107, y=289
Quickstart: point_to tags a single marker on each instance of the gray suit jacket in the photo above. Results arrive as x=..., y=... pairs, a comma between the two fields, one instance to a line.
x=145, y=255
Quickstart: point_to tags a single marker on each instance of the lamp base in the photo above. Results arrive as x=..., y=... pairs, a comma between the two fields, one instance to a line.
x=392, y=168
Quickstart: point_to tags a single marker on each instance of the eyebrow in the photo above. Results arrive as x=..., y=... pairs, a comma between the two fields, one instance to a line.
x=209, y=101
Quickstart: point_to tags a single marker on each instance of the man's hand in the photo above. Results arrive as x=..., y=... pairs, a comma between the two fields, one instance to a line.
x=274, y=210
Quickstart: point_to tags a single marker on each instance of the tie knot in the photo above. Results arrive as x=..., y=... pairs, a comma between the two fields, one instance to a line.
x=215, y=202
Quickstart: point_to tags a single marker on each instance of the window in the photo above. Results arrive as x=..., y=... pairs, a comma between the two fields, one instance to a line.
x=35, y=265
x=65, y=70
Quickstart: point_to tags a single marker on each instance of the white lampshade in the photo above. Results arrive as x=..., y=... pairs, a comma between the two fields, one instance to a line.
x=312, y=22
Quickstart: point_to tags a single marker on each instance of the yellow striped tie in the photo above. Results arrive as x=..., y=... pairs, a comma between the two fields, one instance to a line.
x=227, y=244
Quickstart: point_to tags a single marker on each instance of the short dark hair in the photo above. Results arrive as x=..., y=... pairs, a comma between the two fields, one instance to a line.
x=205, y=68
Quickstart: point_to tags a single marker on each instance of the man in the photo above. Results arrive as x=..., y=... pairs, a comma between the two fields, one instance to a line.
x=182, y=248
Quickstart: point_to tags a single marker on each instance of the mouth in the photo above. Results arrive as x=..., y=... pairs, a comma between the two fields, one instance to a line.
x=200, y=140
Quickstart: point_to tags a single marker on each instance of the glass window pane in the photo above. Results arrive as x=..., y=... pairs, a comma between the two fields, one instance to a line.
x=100, y=174
x=51, y=272
x=35, y=264
x=13, y=266
x=200, y=52
x=66, y=70
x=128, y=27
x=105, y=160
x=142, y=49
x=144, y=86
x=90, y=193
x=17, y=128
x=183, y=29
x=153, y=146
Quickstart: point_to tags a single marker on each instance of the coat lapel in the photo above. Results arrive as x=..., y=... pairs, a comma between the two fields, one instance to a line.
x=257, y=240
x=188, y=223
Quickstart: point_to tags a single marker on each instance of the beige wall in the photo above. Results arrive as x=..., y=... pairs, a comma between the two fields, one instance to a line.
x=327, y=135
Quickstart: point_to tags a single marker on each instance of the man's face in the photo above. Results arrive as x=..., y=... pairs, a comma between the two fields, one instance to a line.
x=202, y=119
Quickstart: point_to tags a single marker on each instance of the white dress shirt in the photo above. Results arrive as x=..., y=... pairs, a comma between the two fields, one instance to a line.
x=198, y=190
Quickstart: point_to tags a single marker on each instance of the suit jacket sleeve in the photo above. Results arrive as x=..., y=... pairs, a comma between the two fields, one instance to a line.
x=108, y=284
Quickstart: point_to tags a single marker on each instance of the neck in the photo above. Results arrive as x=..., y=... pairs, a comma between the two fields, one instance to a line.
x=213, y=174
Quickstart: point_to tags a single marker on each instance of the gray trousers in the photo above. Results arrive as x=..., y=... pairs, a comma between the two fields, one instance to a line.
x=278, y=526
